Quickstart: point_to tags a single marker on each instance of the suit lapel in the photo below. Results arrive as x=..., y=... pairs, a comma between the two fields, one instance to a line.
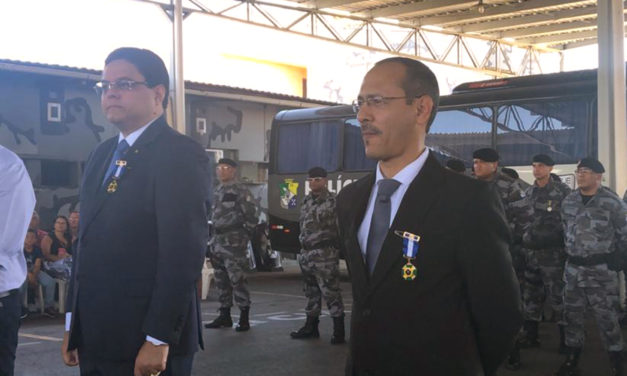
x=359, y=271
x=96, y=195
x=411, y=215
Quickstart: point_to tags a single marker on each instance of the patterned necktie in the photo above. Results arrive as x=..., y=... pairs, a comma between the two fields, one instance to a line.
x=119, y=152
x=380, y=223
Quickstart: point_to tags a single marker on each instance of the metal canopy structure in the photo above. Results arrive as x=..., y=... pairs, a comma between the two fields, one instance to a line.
x=495, y=37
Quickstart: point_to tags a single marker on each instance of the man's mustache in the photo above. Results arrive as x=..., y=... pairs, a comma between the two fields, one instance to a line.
x=369, y=128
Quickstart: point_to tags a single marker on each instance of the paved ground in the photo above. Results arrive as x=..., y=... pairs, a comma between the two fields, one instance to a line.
x=267, y=349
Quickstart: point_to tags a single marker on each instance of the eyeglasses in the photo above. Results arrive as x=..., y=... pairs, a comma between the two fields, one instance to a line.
x=376, y=101
x=223, y=168
x=102, y=87
x=314, y=179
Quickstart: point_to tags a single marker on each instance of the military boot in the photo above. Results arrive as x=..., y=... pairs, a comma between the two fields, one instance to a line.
x=338, y=330
x=224, y=320
x=243, y=324
x=562, y=349
x=530, y=328
x=310, y=330
x=569, y=367
x=616, y=363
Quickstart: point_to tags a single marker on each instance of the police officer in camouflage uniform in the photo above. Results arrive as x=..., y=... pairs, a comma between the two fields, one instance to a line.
x=319, y=258
x=234, y=217
x=595, y=231
x=517, y=210
x=543, y=249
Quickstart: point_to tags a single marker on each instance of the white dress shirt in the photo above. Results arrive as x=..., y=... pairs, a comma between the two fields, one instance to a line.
x=130, y=139
x=17, y=202
x=405, y=177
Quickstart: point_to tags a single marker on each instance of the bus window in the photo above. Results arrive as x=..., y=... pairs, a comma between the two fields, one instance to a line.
x=354, y=152
x=456, y=133
x=556, y=128
x=303, y=146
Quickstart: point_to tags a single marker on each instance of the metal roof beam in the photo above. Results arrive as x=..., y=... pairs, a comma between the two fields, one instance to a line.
x=423, y=7
x=561, y=38
x=321, y=4
x=499, y=11
x=549, y=29
x=530, y=20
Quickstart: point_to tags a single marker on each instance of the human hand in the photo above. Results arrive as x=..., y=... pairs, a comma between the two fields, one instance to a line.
x=70, y=358
x=151, y=359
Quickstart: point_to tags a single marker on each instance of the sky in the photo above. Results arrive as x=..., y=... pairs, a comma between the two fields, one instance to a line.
x=80, y=33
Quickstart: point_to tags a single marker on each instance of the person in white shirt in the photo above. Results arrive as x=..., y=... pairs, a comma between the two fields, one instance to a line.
x=17, y=202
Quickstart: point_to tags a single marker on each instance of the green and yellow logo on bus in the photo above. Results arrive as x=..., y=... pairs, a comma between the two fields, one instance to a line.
x=288, y=191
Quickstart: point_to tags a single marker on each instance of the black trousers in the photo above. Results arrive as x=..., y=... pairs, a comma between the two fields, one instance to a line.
x=176, y=366
x=10, y=311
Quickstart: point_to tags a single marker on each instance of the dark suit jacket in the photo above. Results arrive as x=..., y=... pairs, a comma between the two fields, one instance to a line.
x=141, y=248
x=461, y=313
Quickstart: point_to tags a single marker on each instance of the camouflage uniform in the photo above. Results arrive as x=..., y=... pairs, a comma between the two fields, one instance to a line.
x=519, y=215
x=234, y=216
x=544, y=250
x=625, y=197
x=319, y=257
x=592, y=231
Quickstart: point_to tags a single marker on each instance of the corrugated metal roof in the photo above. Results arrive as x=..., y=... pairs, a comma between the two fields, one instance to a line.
x=562, y=23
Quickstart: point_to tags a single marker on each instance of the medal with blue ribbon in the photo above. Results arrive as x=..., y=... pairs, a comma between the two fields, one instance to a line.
x=113, y=186
x=410, y=250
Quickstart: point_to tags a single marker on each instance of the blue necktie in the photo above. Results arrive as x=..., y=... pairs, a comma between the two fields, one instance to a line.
x=380, y=223
x=119, y=152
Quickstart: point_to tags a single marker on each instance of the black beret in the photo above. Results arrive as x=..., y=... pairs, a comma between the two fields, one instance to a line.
x=317, y=172
x=592, y=164
x=456, y=165
x=227, y=161
x=486, y=155
x=544, y=159
x=510, y=172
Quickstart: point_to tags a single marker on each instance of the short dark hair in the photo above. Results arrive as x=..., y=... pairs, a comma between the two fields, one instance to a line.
x=419, y=80
x=148, y=63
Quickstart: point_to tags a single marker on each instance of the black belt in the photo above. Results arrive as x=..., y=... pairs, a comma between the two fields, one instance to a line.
x=322, y=244
x=588, y=261
x=224, y=230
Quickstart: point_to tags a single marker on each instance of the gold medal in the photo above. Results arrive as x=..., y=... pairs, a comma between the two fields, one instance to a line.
x=549, y=209
x=113, y=186
x=409, y=271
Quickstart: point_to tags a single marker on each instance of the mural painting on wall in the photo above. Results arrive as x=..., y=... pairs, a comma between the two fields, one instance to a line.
x=224, y=131
x=75, y=136
x=28, y=134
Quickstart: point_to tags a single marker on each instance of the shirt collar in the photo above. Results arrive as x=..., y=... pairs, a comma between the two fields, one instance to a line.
x=133, y=136
x=409, y=172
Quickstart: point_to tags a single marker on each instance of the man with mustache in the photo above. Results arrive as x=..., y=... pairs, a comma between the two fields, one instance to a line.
x=434, y=292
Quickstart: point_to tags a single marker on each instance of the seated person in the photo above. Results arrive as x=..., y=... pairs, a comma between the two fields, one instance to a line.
x=57, y=250
x=35, y=275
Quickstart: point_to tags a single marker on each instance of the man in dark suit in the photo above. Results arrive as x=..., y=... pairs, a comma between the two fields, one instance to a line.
x=143, y=233
x=453, y=307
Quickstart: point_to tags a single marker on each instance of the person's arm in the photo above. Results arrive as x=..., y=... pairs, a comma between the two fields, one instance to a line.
x=17, y=200
x=492, y=288
x=35, y=272
x=46, y=249
x=248, y=207
x=182, y=238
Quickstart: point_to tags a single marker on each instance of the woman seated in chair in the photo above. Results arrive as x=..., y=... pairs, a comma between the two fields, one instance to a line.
x=57, y=250
x=36, y=276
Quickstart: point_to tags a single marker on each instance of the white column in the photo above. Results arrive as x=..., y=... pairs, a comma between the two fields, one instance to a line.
x=177, y=82
x=611, y=94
